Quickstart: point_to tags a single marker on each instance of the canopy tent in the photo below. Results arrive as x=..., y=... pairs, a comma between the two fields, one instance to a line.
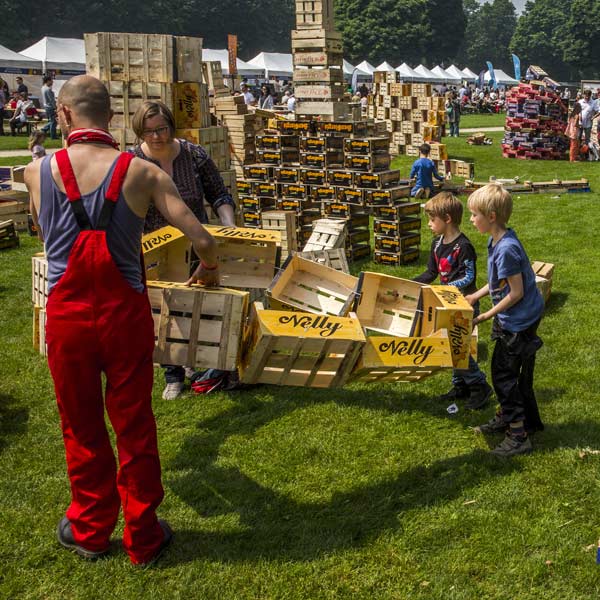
x=273, y=64
x=428, y=75
x=408, y=74
x=501, y=78
x=455, y=72
x=64, y=55
x=446, y=76
x=245, y=69
x=349, y=72
x=385, y=66
x=12, y=62
x=469, y=75
x=367, y=67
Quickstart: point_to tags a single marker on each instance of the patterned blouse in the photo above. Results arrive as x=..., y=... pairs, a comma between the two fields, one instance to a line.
x=196, y=177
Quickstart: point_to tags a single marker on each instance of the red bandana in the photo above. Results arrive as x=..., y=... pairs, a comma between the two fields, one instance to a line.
x=91, y=136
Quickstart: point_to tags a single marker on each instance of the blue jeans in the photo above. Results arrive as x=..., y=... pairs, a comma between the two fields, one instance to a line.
x=454, y=129
x=51, y=125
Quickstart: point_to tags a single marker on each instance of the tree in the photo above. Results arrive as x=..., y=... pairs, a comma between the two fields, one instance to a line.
x=581, y=42
x=539, y=36
x=488, y=34
x=448, y=23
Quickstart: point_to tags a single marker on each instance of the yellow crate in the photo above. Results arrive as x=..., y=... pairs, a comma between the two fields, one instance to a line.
x=300, y=349
x=190, y=105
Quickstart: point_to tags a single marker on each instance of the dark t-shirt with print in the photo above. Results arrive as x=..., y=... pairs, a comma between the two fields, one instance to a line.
x=455, y=263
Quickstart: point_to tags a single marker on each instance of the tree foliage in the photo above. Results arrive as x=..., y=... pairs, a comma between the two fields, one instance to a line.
x=448, y=22
x=581, y=41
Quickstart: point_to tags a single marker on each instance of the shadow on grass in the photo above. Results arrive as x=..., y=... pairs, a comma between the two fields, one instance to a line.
x=13, y=420
x=270, y=525
x=556, y=301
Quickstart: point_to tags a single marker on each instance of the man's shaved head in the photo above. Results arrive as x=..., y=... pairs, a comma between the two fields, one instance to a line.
x=87, y=97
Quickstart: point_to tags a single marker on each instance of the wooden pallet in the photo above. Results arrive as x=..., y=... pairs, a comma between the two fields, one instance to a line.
x=39, y=280
x=143, y=57
x=197, y=327
x=311, y=287
x=9, y=238
x=327, y=234
x=402, y=359
x=300, y=349
x=334, y=258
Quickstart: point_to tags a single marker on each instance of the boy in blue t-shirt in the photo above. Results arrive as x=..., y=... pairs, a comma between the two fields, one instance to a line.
x=517, y=310
x=424, y=170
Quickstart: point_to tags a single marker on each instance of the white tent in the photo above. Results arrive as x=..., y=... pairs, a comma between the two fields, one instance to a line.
x=65, y=55
x=244, y=69
x=349, y=72
x=385, y=66
x=501, y=78
x=428, y=75
x=273, y=64
x=455, y=72
x=12, y=62
x=469, y=75
x=367, y=67
x=446, y=76
x=408, y=74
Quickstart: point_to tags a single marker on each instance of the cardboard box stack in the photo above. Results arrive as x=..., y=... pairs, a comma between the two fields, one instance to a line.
x=535, y=123
x=410, y=111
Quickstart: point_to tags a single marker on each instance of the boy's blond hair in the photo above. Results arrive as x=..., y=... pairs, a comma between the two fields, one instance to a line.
x=492, y=198
x=445, y=203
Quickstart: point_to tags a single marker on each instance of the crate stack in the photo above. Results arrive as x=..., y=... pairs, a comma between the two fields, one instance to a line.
x=535, y=123
x=317, y=52
x=412, y=114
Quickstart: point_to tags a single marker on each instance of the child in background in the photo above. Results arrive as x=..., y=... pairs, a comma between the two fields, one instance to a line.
x=453, y=259
x=573, y=132
x=36, y=144
x=517, y=310
x=424, y=169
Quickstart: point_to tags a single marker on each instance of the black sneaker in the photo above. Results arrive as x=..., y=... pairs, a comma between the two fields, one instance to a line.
x=168, y=538
x=64, y=535
x=479, y=396
x=512, y=445
x=458, y=392
x=494, y=425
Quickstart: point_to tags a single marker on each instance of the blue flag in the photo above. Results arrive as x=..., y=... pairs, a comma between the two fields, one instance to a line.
x=354, y=83
x=492, y=75
x=517, y=63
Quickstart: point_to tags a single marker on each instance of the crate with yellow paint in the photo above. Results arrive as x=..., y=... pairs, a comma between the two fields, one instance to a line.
x=198, y=327
x=300, y=349
x=314, y=288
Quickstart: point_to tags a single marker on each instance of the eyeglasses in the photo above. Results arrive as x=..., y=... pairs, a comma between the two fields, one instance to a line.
x=159, y=131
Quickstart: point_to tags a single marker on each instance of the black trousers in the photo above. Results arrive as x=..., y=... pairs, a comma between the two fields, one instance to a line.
x=513, y=365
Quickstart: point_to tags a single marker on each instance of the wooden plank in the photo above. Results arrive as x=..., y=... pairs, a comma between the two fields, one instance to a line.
x=330, y=75
x=319, y=92
x=335, y=258
x=317, y=59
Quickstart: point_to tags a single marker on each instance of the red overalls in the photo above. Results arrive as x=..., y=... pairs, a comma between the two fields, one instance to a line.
x=97, y=323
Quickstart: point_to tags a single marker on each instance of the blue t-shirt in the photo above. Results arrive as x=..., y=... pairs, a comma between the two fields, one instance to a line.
x=508, y=258
x=424, y=169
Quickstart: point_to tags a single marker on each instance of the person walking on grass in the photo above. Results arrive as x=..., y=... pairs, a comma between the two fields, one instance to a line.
x=517, y=310
x=89, y=202
x=453, y=259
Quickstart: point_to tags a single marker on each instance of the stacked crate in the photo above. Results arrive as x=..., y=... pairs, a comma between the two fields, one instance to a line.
x=318, y=60
x=138, y=67
x=535, y=123
x=412, y=115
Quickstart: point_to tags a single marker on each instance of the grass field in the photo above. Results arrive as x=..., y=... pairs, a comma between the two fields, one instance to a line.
x=368, y=492
x=487, y=120
x=19, y=142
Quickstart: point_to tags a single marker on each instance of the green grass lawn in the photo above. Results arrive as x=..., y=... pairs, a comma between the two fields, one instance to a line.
x=19, y=142
x=488, y=120
x=368, y=492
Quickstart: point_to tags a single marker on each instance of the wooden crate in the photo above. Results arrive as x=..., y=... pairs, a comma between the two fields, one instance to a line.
x=314, y=14
x=127, y=96
x=9, y=238
x=197, y=327
x=312, y=287
x=39, y=280
x=190, y=105
x=444, y=307
x=543, y=278
x=327, y=233
x=381, y=179
x=387, y=304
x=125, y=137
x=395, y=258
x=300, y=349
x=41, y=330
x=335, y=258
x=328, y=41
x=286, y=223
x=212, y=75
x=332, y=75
x=402, y=359
x=319, y=92
x=143, y=57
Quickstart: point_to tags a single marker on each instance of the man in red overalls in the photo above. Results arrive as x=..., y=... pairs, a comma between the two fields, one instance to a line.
x=90, y=201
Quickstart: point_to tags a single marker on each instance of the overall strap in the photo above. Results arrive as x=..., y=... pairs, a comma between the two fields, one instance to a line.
x=72, y=189
x=114, y=189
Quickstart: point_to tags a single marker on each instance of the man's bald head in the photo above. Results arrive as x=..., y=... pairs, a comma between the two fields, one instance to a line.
x=87, y=98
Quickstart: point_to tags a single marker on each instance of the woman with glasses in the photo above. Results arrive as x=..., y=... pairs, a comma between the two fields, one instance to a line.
x=196, y=177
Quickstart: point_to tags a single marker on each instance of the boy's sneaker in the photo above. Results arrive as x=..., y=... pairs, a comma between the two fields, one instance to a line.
x=494, y=425
x=512, y=445
x=479, y=396
x=458, y=392
x=172, y=390
x=64, y=535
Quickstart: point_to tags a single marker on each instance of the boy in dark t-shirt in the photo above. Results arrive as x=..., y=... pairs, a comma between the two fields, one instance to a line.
x=453, y=258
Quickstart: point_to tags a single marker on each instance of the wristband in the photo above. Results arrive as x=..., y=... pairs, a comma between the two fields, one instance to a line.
x=207, y=268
